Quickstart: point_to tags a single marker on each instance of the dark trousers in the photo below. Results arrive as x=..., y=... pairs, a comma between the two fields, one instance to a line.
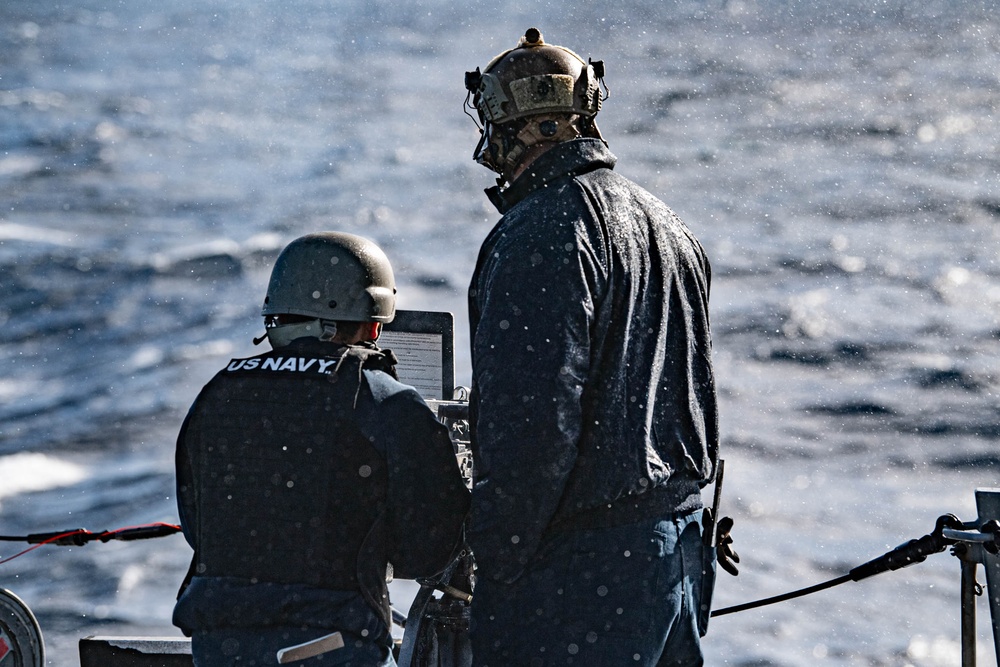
x=636, y=594
x=246, y=647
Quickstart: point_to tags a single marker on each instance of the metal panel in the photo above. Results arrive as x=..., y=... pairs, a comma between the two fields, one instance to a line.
x=135, y=652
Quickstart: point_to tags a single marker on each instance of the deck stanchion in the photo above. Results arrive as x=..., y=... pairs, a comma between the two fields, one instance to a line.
x=988, y=505
x=969, y=586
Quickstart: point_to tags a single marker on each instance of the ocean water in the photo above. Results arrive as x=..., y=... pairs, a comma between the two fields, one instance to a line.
x=839, y=162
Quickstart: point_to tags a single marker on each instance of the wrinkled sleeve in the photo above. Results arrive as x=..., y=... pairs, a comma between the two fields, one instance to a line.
x=427, y=497
x=531, y=352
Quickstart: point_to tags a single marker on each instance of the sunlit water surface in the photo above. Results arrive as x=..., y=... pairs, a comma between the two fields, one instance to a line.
x=839, y=164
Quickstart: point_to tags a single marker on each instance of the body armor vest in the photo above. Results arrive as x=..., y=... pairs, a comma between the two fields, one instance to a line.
x=288, y=486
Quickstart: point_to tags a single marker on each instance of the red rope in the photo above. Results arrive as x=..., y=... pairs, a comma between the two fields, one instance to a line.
x=105, y=536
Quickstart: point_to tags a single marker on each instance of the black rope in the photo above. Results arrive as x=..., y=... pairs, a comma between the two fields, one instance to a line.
x=914, y=551
x=80, y=536
x=783, y=597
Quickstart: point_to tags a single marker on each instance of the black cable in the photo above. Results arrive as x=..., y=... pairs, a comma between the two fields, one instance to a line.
x=914, y=551
x=80, y=536
x=783, y=597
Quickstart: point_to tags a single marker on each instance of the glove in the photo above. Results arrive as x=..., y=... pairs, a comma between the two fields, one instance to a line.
x=725, y=553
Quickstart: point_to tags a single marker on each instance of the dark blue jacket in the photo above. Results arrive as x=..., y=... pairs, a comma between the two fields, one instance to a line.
x=593, y=396
x=301, y=473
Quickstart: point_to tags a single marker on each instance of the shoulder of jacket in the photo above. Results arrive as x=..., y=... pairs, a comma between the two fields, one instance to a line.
x=384, y=387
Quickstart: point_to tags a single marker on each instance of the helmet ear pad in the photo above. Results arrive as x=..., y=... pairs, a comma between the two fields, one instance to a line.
x=281, y=335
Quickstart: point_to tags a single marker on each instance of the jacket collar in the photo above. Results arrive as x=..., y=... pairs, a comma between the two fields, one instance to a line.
x=569, y=158
x=371, y=356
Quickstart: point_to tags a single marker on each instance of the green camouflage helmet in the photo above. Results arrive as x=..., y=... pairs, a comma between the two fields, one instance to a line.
x=332, y=276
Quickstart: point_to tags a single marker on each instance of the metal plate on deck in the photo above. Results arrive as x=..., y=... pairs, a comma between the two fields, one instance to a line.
x=135, y=652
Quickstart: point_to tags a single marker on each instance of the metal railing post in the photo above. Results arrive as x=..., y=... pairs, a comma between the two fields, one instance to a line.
x=988, y=505
x=969, y=611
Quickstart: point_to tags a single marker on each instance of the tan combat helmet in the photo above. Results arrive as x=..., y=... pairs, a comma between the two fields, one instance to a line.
x=533, y=93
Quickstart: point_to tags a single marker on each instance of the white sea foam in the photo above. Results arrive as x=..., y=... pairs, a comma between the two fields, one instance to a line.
x=30, y=471
x=14, y=232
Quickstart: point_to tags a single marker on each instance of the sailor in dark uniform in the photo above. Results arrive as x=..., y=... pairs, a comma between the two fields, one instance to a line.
x=593, y=401
x=306, y=472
